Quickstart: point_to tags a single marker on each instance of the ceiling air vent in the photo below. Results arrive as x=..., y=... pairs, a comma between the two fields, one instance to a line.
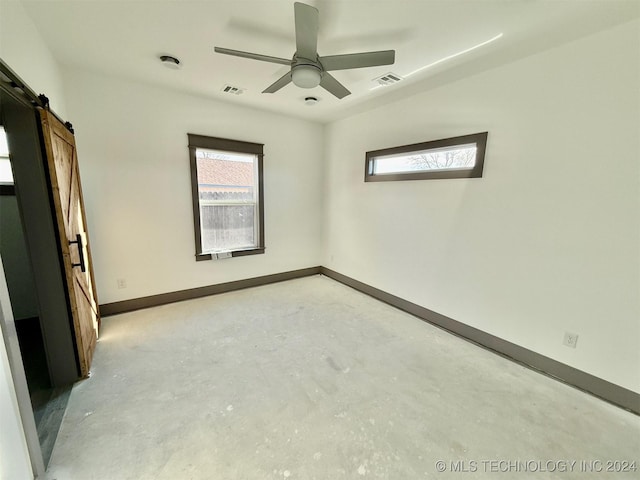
x=233, y=90
x=388, y=79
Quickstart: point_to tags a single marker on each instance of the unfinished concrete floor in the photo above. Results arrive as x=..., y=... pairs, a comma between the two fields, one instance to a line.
x=309, y=379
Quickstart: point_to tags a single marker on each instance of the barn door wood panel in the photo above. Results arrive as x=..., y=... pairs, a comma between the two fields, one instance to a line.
x=64, y=174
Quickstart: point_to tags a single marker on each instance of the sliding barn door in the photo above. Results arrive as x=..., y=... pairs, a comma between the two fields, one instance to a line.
x=74, y=242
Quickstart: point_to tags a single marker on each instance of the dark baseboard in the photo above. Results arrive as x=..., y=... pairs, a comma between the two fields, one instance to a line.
x=8, y=190
x=164, y=298
x=586, y=382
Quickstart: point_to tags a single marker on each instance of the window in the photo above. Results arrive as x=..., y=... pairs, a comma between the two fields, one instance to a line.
x=228, y=206
x=458, y=157
x=6, y=175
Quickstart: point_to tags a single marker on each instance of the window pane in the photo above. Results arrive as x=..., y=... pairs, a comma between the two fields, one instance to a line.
x=4, y=148
x=442, y=159
x=446, y=158
x=6, y=175
x=227, y=193
x=227, y=227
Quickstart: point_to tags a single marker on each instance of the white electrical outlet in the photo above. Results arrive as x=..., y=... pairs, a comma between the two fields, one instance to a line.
x=570, y=339
x=122, y=283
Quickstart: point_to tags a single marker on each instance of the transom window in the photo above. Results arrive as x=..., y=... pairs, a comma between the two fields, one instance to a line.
x=457, y=157
x=227, y=197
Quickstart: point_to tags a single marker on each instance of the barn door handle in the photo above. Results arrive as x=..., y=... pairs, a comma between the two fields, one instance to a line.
x=78, y=241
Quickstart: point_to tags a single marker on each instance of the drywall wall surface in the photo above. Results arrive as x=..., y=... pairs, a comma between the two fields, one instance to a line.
x=17, y=266
x=547, y=241
x=26, y=53
x=134, y=162
x=14, y=456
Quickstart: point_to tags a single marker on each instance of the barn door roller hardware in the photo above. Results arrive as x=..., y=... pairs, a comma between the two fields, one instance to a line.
x=11, y=83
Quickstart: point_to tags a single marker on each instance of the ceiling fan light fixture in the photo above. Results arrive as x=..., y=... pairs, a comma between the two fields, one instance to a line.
x=306, y=76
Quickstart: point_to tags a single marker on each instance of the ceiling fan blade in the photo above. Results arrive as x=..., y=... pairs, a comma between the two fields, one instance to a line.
x=306, y=31
x=253, y=56
x=358, y=60
x=278, y=84
x=333, y=86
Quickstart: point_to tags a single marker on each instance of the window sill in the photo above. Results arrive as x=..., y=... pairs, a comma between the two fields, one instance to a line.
x=236, y=253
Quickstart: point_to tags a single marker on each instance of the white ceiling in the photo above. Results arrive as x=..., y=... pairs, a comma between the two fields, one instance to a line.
x=125, y=38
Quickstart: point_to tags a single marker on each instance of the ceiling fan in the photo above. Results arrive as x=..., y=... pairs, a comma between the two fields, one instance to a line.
x=308, y=69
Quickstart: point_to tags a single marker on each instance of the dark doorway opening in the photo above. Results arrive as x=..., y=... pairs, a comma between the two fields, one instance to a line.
x=48, y=402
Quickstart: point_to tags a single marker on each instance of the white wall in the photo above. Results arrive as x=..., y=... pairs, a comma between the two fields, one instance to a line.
x=14, y=458
x=547, y=241
x=134, y=162
x=26, y=53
